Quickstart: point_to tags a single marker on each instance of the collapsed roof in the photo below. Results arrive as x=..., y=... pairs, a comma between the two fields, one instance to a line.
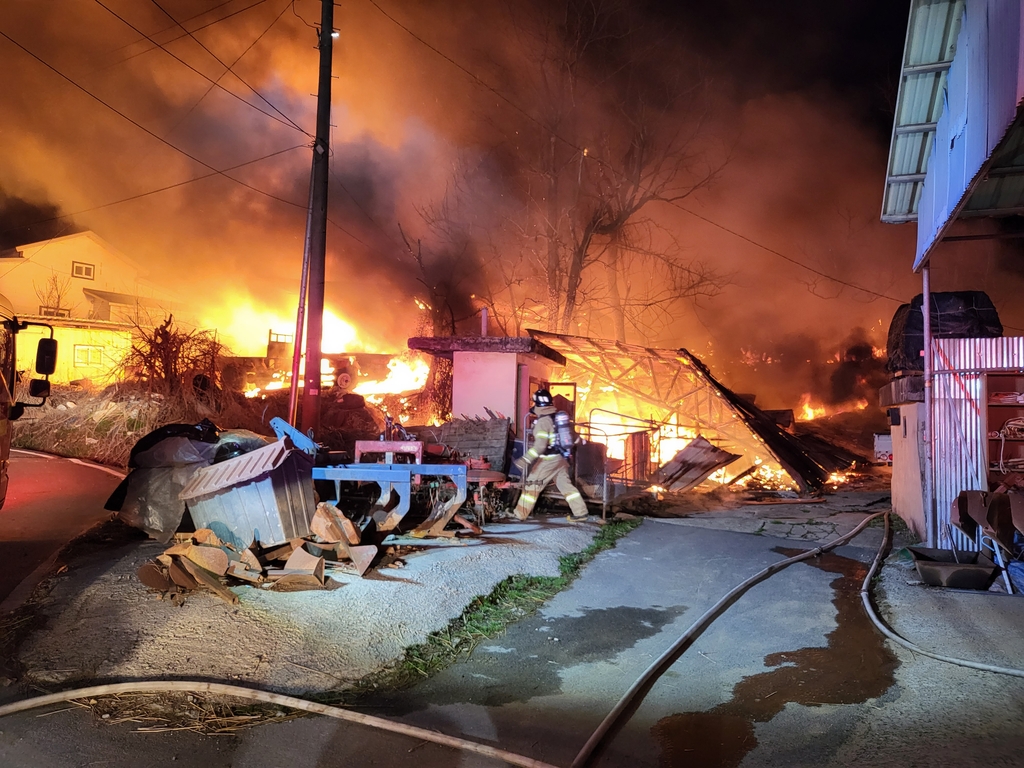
x=674, y=387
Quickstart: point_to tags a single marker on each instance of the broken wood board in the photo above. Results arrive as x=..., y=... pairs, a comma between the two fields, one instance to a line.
x=209, y=581
x=692, y=465
x=330, y=524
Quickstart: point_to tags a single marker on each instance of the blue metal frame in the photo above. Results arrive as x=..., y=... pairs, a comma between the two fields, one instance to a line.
x=398, y=478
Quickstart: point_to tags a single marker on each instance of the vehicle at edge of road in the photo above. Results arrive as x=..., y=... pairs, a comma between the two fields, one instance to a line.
x=10, y=410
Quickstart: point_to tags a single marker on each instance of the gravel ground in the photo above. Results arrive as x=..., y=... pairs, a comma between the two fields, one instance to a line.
x=103, y=624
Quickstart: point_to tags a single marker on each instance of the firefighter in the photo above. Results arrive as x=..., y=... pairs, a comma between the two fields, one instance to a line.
x=545, y=463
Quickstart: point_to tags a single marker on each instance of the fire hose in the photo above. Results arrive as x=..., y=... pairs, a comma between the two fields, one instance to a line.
x=618, y=716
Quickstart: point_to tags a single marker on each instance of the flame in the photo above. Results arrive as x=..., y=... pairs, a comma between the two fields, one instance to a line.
x=767, y=478
x=404, y=375
x=809, y=412
x=243, y=324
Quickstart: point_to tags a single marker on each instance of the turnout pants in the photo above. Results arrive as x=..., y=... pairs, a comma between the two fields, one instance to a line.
x=550, y=468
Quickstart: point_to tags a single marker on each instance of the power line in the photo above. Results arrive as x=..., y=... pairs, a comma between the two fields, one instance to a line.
x=151, y=192
x=214, y=83
x=227, y=67
x=143, y=128
x=574, y=146
x=178, y=25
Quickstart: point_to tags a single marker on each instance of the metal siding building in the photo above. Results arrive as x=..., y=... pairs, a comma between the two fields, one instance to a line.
x=983, y=89
x=959, y=420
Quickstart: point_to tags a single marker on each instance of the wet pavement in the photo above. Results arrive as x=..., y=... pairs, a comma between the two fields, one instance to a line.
x=793, y=674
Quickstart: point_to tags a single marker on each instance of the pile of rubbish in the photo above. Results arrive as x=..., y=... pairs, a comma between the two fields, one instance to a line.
x=202, y=559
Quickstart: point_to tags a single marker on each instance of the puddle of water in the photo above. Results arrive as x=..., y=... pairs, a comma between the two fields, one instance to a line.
x=531, y=656
x=853, y=667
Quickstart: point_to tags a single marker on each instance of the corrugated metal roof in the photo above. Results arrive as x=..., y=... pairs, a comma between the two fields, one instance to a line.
x=241, y=469
x=931, y=42
x=1002, y=190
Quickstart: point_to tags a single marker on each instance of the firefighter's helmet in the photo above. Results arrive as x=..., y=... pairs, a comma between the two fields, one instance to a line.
x=542, y=399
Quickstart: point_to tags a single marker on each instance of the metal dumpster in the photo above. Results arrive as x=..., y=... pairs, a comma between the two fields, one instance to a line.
x=265, y=495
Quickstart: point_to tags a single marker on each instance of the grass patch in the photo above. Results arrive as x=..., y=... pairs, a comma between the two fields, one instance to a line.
x=485, y=617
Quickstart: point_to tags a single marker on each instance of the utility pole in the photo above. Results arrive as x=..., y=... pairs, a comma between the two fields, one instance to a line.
x=317, y=226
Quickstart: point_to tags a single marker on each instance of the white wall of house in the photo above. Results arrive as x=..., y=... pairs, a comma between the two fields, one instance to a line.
x=90, y=352
x=77, y=262
x=483, y=380
x=499, y=381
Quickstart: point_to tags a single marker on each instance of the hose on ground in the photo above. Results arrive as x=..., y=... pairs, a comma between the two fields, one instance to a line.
x=632, y=698
x=865, y=596
x=253, y=694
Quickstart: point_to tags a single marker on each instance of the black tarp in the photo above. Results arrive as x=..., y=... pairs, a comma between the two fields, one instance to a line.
x=955, y=315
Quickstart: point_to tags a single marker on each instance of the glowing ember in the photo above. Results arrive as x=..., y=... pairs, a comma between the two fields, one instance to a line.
x=404, y=375
x=767, y=478
x=837, y=478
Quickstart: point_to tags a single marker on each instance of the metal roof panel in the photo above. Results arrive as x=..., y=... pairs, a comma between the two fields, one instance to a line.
x=931, y=43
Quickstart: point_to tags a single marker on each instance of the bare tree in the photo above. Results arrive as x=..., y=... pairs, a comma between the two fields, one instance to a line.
x=171, y=360
x=614, y=132
x=55, y=296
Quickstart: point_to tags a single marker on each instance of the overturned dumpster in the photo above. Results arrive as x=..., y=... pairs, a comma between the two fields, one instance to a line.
x=265, y=496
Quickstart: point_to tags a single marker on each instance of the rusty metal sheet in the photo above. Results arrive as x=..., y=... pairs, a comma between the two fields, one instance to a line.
x=692, y=465
x=955, y=569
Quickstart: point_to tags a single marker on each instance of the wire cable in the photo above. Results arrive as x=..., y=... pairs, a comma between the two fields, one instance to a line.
x=188, y=18
x=146, y=130
x=214, y=83
x=869, y=608
x=228, y=67
x=632, y=698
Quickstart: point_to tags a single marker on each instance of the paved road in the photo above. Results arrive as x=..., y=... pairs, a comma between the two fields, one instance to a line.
x=50, y=501
x=792, y=675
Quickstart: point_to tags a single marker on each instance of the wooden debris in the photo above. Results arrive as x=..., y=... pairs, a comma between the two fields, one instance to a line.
x=209, y=581
x=330, y=524
x=155, y=577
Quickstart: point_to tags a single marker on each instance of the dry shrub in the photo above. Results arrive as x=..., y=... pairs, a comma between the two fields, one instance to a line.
x=103, y=426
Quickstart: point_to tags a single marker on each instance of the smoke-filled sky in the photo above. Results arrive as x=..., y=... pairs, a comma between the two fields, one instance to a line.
x=796, y=117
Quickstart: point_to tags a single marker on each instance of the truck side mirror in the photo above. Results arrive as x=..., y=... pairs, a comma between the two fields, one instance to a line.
x=39, y=388
x=46, y=358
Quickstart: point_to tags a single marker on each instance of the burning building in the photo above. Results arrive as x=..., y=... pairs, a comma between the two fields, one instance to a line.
x=642, y=404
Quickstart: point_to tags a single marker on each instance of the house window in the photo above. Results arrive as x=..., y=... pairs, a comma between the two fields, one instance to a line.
x=83, y=270
x=88, y=356
x=54, y=312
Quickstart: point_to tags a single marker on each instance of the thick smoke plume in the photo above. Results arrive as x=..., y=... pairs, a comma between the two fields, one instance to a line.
x=439, y=191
